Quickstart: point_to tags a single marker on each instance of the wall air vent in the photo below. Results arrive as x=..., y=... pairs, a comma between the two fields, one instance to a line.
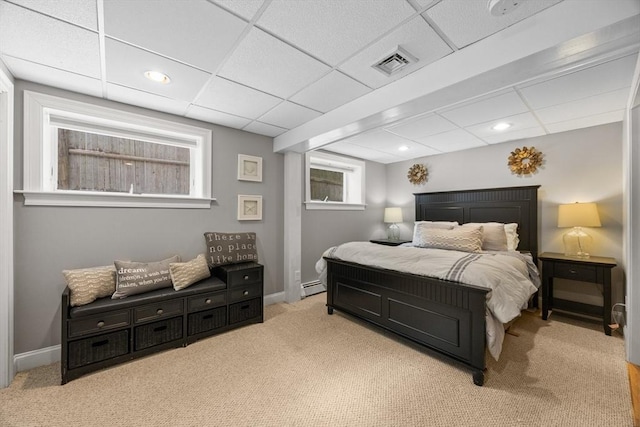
x=395, y=62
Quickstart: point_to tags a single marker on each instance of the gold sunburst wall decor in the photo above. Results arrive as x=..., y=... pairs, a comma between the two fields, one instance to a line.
x=525, y=160
x=417, y=174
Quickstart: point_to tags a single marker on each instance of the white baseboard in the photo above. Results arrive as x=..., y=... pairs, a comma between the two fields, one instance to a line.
x=274, y=298
x=312, y=288
x=35, y=358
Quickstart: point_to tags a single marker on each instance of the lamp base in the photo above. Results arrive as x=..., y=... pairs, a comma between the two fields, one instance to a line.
x=577, y=243
x=393, y=233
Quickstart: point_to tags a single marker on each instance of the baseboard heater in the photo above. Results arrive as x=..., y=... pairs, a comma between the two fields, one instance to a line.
x=312, y=288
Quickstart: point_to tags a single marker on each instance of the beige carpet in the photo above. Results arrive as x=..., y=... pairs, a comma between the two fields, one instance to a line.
x=303, y=367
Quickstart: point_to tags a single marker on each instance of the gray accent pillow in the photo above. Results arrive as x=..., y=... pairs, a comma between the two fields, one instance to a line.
x=139, y=277
x=185, y=274
x=230, y=248
x=89, y=284
x=465, y=239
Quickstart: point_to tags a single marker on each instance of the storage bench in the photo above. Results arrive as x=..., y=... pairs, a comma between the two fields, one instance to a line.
x=107, y=332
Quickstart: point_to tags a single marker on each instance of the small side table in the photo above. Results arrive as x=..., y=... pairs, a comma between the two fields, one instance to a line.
x=593, y=270
x=389, y=242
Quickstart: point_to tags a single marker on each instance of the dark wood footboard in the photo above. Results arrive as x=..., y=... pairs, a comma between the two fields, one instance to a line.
x=444, y=316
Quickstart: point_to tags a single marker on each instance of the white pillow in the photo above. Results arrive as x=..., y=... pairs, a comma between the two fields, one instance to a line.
x=446, y=225
x=465, y=239
x=513, y=240
x=494, y=237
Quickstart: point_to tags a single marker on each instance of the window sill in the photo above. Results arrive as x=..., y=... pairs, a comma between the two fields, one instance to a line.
x=334, y=206
x=119, y=200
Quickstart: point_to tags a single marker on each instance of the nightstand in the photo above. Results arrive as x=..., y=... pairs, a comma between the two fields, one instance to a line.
x=592, y=270
x=388, y=242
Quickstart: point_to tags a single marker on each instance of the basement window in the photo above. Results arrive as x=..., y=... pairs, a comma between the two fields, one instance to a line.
x=334, y=182
x=79, y=154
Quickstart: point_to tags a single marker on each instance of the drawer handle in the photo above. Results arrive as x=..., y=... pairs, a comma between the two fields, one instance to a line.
x=246, y=277
x=207, y=301
x=245, y=293
x=100, y=324
x=244, y=307
x=572, y=271
x=207, y=317
x=160, y=328
x=160, y=311
x=100, y=343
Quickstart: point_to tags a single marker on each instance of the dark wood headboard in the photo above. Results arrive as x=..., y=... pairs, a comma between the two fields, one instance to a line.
x=511, y=204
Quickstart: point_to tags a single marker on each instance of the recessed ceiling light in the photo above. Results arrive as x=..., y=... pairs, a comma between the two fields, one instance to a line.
x=157, y=76
x=501, y=126
x=403, y=148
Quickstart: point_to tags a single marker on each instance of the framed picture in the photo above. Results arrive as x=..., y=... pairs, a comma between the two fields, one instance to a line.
x=249, y=168
x=249, y=207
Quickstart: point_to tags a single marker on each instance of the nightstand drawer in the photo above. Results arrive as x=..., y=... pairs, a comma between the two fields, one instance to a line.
x=246, y=276
x=98, y=324
x=204, y=302
x=158, y=310
x=246, y=292
x=585, y=273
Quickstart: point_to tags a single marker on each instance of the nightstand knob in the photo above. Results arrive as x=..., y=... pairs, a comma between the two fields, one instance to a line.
x=246, y=277
x=245, y=293
x=160, y=311
x=572, y=271
x=207, y=301
x=100, y=324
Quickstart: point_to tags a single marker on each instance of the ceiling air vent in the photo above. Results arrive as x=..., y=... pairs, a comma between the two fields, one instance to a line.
x=395, y=62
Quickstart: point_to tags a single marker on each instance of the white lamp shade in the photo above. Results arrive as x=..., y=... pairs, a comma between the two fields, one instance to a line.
x=393, y=215
x=578, y=215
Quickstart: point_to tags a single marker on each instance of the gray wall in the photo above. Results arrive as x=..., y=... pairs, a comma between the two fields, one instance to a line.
x=51, y=239
x=322, y=229
x=583, y=165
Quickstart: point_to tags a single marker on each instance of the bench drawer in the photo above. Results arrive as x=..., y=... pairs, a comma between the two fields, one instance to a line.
x=207, y=320
x=245, y=310
x=98, y=348
x=98, y=324
x=207, y=301
x=245, y=292
x=161, y=309
x=245, y=276
x=157, y=333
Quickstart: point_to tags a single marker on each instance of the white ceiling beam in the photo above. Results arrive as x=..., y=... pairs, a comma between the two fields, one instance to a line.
x=542, y=43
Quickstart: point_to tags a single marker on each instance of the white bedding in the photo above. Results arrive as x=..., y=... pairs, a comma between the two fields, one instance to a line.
x=511, y=276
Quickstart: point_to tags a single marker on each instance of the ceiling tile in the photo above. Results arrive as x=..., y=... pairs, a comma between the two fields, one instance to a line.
x=603, y=103
x=37, y=38
x=416, y=37
x=517, y=122
x=362, y=152
x=81, y=13
x=264, y=129
x=232, y=98
x=330, y=92
x=267, y=64
x=181, y=30
x=333, y=30
x=592, y=81
x=246, y=8
x=33, y=72
x=147, y=100
x=515, y=135
x=584, y=122
x=217, y=117
x=126, y=66
x=465, y=22
x=453, y=140
x=486, y=109
x=422, y=126
x=379, y=140
x=289, y=115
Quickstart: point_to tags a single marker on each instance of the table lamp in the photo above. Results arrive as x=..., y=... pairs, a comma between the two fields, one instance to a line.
x=577, y=243
x=393, y=216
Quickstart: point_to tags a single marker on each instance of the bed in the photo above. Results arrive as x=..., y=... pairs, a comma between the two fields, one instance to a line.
x=444, y=315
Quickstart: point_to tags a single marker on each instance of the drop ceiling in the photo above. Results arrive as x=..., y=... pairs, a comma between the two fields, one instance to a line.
x=302, y=71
